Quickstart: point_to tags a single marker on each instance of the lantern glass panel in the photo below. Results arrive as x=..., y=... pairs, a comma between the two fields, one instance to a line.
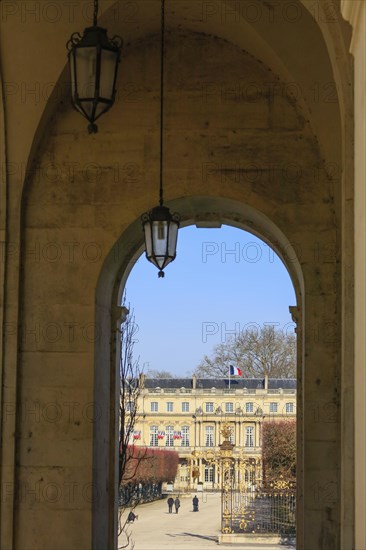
x=86, y=61
x=161, y=262
x=107, y=74
x=148, y=241
x=100, y=108
x=173, y=236
x=159, y=236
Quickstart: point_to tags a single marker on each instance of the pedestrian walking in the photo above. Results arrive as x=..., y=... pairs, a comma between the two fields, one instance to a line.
x=195, y=503
x=170, y=504
x=131, y=517
x=177, y=505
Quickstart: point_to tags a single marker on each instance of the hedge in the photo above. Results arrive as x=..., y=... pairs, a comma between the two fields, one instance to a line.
x=145, y=464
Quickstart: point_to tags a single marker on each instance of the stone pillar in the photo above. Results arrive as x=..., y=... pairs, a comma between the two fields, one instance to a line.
x=354, y=483
x=300, y=444
x=202, y=469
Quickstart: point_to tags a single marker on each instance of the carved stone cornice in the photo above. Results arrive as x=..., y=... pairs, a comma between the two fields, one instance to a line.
x=119, y=315
x=352, y=11
x=295, y=313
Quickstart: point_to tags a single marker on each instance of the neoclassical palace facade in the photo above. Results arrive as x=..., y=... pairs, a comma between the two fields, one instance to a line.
x=188, y=414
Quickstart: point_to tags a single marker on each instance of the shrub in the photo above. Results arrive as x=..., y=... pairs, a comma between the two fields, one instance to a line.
x=279, y=450
x=150, y=465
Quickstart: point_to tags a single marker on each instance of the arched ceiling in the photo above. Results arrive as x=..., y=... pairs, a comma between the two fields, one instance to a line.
x=296, y=39
x=299, y=41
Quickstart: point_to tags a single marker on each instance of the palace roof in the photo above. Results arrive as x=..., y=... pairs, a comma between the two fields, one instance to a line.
x=220, y=383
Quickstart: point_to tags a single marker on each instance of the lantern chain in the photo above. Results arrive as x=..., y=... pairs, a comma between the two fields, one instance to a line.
x=95, y=14
x=161, y=198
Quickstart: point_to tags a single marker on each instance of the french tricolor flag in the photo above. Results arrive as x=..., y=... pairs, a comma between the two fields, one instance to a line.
x=234, y=371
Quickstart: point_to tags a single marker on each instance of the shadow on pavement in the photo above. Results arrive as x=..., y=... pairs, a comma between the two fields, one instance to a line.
x=213, y=538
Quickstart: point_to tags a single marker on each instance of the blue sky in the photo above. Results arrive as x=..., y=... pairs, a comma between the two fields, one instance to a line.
x=222, y=281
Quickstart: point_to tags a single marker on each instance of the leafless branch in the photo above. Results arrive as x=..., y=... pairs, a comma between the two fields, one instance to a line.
x=257, y=353
x=130, y=389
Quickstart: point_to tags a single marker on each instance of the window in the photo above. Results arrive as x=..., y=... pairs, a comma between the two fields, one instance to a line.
x=232, y=435
x=169, y=406
x=209, y=474
x=289, y=408
x=185, y=406
x=169, y=433
x=183, y=473
x=249, y=436
x=229, y=407
x=273, y=407
x=154, y=406
x=185, y=436
x=153, y=436
x=130, y=406
x=209, y=407
x=209, y=436
x=249, y=407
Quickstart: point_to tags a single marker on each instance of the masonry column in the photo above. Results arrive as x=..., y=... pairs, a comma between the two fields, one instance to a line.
x=297, y=318
x=354, y=385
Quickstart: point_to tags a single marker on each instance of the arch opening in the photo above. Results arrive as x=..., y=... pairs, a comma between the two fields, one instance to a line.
x=201, y=211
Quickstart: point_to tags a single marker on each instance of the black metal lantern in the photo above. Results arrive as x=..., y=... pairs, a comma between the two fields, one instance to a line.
x=161, y=233
x=93, y=60
x=159, y=225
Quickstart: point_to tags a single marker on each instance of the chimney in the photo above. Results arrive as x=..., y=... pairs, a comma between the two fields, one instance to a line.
x=142, y=380
x=266, y=381
x=194, y=381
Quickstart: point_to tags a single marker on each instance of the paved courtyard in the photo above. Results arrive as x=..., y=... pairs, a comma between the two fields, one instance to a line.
x=156, y=529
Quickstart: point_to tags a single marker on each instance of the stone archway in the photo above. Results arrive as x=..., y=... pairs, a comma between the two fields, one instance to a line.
x=252, y=160
x=118, y=264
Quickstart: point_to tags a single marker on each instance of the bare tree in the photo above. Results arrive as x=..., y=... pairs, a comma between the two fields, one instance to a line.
x=257, y=353
x=153, y=373
x=130, y=389
x=279, y=450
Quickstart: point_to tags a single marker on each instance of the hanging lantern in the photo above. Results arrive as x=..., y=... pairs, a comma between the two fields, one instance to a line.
x=161, y=233
x=93, y=61
x=159, y=225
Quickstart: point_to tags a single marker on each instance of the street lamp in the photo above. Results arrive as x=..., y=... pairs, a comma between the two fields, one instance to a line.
x=159, y=225
x=93, y=61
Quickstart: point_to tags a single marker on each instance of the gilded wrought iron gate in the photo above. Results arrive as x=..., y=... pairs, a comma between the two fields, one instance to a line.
x=249, y=506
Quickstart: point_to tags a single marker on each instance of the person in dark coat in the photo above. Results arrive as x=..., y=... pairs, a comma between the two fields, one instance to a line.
x=177, y=505
x=170, y=504
x=195, y=503
x=131, y=517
